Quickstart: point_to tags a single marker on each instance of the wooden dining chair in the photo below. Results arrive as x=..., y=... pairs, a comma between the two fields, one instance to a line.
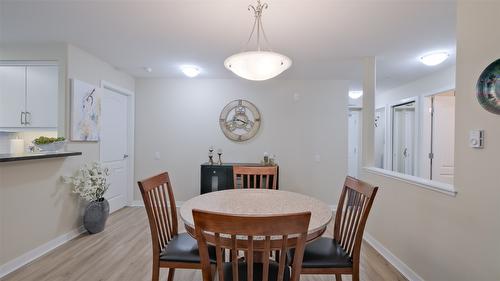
x=261, y=235
x=255, y=177
x=341, y=254
x=170, y=249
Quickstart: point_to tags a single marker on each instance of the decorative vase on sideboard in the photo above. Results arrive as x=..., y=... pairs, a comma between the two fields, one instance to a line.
x=96, y=215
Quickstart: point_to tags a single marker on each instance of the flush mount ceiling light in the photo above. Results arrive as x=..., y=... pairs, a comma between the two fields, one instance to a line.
x=190, y=70
x=434, y=58
x=262, y=64
x=355, y=94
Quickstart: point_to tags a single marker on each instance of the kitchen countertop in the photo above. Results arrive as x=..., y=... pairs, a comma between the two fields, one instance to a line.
x=8, y=157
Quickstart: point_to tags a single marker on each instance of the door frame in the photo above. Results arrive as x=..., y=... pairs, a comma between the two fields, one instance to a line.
x=130, y=135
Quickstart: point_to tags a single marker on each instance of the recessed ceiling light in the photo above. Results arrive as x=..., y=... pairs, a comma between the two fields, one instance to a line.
x=434, y=58
x=190, y=70
x=355, y=94
x=148, y=69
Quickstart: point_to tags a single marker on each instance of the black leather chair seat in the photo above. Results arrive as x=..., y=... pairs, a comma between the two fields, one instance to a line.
x=324, y=253
x=257, y=272
x=184, y=248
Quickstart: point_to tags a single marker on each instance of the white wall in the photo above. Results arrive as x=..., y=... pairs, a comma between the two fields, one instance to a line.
x=179, y=119
x=442, y=237
x=433, y=83
x=35, y=207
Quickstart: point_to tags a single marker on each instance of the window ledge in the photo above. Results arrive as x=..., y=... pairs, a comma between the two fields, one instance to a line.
x=444, y=188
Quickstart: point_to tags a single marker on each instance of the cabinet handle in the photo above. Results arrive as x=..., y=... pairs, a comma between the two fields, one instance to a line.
x=28, y=118
x=22, y=115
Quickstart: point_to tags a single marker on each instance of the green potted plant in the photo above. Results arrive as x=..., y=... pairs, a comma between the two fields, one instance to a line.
x=91, y=183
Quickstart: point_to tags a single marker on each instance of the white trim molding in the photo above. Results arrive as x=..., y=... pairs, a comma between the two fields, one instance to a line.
x=444, y=188
x=39, y=251
x=404, y=269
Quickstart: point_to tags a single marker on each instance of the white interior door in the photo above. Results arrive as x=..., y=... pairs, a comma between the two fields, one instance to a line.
x=353, y=140
x=113, y=145
x=379, y=158
x=444, y=139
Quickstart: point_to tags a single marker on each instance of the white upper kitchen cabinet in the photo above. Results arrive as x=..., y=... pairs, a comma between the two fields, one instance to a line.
x=28, y=96
x=12, y=96
x=41, y=96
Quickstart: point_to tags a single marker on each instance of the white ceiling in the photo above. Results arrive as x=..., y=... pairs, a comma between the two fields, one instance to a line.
x=325, y=39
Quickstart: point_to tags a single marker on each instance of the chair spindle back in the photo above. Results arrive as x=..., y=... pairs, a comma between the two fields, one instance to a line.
x=255, y=177
x=263, y=234
x=354, y=206
x=160, y=206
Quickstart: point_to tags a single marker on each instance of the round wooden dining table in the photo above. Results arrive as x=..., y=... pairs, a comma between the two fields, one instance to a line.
x=259, y=202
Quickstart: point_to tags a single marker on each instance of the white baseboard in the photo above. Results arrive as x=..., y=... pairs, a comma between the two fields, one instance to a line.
x=404, y=269
x=136, y=203
x=39, y=251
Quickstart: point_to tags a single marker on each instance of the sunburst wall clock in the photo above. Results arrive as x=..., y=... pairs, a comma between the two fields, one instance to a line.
x=488, y=88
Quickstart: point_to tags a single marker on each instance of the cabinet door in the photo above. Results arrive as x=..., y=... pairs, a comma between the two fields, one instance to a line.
x=42, y=96
x=12, y=95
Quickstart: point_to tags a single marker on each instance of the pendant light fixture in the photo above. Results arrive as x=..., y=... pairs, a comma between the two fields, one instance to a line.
x=262, y=64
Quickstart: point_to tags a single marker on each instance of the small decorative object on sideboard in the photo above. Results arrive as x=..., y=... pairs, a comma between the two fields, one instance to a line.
x=90, y=182
x=211, y=155
x=268, y=160
x=219, y=152
x=49, y=144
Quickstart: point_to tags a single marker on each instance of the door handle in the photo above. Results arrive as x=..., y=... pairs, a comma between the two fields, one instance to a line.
x=405, y=152
x=125, y=156
x=22, y=115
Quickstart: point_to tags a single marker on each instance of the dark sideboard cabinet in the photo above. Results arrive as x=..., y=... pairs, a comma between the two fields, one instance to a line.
x=220, y=177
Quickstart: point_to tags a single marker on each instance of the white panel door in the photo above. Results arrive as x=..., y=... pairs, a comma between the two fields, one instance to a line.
x=113, y=145
x=12, y=95
x=443, y=164
x=353, y=140
x=42, y=96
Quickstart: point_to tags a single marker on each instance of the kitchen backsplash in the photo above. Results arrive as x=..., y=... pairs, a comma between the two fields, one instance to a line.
x=27, y=136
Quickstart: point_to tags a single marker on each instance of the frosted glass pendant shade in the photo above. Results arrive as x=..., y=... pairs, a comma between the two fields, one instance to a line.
x=257, y=65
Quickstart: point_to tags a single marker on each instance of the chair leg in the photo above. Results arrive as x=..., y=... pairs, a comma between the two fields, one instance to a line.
x=156, y=271
x=171, y=272
x=355, y=276
x=338, y=277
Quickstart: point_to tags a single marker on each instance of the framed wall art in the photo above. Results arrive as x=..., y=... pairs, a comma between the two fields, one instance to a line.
x=85, y=111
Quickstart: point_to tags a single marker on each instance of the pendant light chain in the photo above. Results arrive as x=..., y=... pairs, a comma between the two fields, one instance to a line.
x=258, y=23
x=261, y=63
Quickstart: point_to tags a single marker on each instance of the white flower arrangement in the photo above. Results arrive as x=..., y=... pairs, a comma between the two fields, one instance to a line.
x=90, y=181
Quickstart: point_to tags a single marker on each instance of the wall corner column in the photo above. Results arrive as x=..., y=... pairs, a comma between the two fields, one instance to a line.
x=369, y=88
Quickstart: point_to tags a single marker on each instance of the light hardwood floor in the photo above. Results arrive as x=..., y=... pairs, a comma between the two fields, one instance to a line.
x=123, y=253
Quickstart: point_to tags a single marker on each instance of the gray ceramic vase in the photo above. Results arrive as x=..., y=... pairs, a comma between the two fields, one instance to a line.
x=96, y=215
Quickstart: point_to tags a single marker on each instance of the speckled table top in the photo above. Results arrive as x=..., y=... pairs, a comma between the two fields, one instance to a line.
x=258, y=202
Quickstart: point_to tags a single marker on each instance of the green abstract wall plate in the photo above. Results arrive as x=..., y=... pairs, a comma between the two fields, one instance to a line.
x=488, y=88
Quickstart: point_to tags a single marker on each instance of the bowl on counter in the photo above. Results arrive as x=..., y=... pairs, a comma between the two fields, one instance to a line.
x=54, y=146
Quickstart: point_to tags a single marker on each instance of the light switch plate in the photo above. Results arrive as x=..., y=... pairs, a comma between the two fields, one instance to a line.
x=476, y=138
